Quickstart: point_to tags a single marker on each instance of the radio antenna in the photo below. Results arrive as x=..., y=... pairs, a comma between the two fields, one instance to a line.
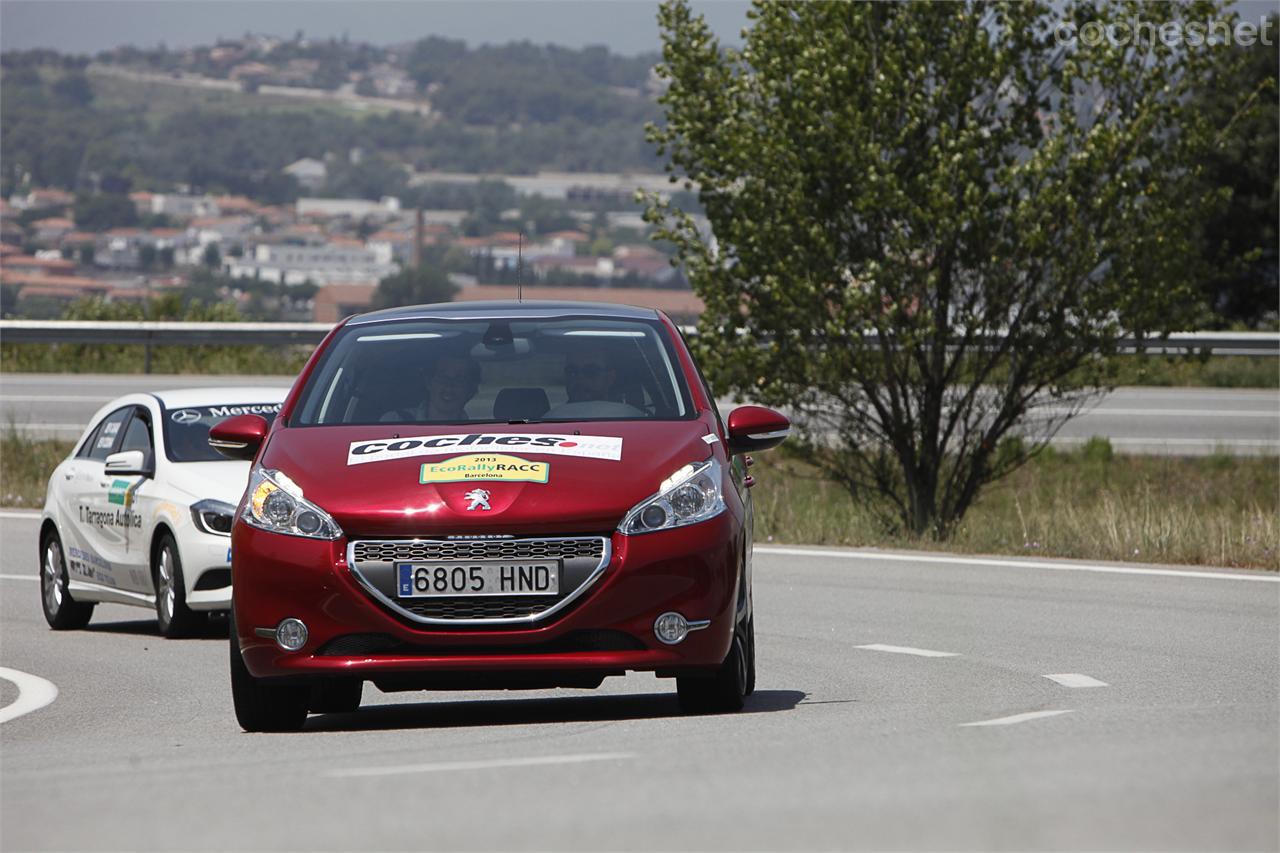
x=520, y=268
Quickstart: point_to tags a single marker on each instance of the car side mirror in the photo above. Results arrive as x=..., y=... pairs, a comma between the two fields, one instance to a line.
x=239, y=437
x=755, y=428
x=130, y=462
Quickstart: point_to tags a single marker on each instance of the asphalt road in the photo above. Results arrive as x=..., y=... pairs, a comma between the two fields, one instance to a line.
x=846, y=744
x=1137, y=420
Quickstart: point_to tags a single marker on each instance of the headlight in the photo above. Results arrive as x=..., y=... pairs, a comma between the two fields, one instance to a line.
x=688, y=496
x=276, y=503
x=212, y=516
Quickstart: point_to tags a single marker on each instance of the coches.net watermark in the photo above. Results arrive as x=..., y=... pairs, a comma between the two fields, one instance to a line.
x=1170, y=33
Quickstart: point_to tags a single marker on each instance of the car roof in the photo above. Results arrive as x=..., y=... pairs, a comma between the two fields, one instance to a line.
x=221, y=396
x=506, y=309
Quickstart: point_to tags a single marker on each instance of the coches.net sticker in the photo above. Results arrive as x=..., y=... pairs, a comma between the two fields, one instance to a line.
x=583, y=446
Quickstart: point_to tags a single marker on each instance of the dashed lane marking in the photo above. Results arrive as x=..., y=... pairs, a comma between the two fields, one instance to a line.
x=492, y=764
x=18, y=513
x=1015, y=719
x=34, y=693
x=1076, y=679
x=907, y=650
x=19, y=577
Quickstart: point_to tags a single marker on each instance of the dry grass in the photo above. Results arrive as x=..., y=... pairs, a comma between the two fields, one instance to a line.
x=1088, y=504
x=25, y=466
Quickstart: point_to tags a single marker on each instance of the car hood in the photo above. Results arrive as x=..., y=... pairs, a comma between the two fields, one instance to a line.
x=223, y=481
x=538, y=478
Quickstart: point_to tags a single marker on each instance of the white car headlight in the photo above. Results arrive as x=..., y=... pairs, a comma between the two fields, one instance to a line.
x=276, y=503
x=688, y=496
x=211, y=516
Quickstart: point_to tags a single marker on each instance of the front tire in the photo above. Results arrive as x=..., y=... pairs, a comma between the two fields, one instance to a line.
x=172, y=614
x=262, y=706
x=60, y=611
x=726, y=690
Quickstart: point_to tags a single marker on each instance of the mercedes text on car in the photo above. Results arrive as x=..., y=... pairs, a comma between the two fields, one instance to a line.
x=140, y=512
x=493, y=495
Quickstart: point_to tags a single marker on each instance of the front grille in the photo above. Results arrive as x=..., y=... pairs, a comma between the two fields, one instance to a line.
x=349, y=645
x=489, y=607
x=479, y=549
x=582, y=560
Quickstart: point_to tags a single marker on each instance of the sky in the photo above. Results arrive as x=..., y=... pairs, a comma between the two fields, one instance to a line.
x=88, y=26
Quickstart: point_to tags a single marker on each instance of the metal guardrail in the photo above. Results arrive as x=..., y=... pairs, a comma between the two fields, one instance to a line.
x=159, y=332
x=283, y=334
x=165, y=332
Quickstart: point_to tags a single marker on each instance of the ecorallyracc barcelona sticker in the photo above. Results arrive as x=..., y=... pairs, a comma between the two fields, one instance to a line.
x=583, y=446
x=477, y=467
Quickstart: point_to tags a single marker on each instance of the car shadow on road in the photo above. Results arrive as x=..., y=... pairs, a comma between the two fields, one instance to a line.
x=213, y=629
x=520, y=712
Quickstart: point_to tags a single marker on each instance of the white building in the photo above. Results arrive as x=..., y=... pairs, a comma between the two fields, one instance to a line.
x=183, y=206
x=309, y=172
x=327, y=264
x=355, y=208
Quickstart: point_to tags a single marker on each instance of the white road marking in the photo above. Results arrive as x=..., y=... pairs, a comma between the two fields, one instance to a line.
x=1127, y=441
x=1174, y=413
x=18, y=513
x=64, y=427
x=1015, y=719
x=492, y=764
x=1076, y=679
x=19, y=577
x=1264, y=577
x=34, y=693
x=907, y=650
x=51, y=398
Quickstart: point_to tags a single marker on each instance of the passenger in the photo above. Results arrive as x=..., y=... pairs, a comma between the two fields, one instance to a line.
x=589, y=376
x=452, y=382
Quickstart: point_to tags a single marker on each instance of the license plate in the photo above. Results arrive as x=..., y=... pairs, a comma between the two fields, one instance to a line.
x=434, y=580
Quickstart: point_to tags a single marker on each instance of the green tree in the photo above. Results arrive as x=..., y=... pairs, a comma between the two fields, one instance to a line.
x=1243, y=285
x=102, y=211
x=429, y=283
x=212, y=257
x=931, y=221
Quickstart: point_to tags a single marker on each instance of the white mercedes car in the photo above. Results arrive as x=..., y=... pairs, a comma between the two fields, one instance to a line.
x=140, y=512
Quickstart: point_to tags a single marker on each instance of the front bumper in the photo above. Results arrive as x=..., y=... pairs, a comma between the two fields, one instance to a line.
x=692, y=570
x=206, y=559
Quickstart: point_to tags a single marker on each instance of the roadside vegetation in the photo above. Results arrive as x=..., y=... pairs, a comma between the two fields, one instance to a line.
x=1005, y=228
x=1086, y=503
x=25, y=466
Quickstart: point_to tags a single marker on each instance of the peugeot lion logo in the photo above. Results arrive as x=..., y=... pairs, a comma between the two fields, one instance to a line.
x=479, y=499
x=185, y=416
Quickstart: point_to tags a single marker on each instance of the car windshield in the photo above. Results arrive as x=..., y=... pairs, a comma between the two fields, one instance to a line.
x=186, y=430
x=496, y=371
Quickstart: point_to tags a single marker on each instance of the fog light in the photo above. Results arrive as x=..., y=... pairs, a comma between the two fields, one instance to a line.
x=670, y=628
x=291, y=634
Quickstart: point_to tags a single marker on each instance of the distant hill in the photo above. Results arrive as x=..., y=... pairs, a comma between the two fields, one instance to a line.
x=229, y=117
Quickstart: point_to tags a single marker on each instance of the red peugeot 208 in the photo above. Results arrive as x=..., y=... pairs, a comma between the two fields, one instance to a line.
x=493, y=495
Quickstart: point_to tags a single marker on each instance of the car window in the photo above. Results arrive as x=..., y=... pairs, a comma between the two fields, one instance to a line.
x=105, y=436
x=186, y=429
x=137, y=435
x=519, y=370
